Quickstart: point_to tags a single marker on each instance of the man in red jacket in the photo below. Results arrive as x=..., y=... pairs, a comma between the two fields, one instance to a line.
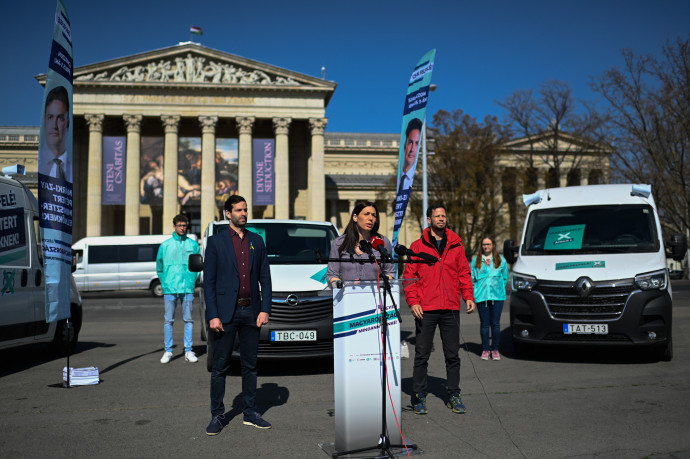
x=435, y=301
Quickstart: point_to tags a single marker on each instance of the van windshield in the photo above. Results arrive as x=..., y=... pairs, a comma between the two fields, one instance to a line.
x=293, y=243
x=591, y=230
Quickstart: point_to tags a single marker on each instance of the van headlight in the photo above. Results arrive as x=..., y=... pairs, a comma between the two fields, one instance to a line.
x=522, y=282
x=652, y=281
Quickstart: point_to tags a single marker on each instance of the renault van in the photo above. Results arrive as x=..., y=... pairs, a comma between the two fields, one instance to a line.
x=591, y=270
x=301, y=321
x=22, y=280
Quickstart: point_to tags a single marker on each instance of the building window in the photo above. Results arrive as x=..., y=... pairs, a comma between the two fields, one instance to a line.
x=29, y=138
x=573, y=177
x=13, y=138
x=595, y=177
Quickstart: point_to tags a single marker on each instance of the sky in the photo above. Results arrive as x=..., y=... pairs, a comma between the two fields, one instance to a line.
x=485, y=50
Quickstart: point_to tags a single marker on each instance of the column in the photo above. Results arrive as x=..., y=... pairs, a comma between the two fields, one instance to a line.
x=282, y=183
x=94, y=195
x=208, y=169
x=317, y=178
x=245, y=172
x=170, y=123
x=132, y=198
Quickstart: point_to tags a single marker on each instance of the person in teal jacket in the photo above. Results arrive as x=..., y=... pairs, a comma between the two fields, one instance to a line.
x=178, y=284
x=489, y=277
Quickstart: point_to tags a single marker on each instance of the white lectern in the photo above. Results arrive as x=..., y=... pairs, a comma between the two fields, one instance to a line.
x=358, y=365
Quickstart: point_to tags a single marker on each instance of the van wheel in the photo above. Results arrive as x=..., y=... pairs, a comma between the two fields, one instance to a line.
x=521, y=349
x=665, y=353
x=156, y=288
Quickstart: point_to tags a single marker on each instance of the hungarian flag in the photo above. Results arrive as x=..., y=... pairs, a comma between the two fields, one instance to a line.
x=195, y=30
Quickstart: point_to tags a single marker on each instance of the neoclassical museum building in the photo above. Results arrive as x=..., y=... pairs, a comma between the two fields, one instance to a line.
x=179, y=129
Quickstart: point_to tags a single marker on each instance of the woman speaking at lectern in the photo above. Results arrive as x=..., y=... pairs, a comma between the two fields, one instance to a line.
x=361, y=233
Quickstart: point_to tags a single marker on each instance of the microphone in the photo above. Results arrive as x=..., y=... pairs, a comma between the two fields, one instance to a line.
x=377, y=243
x=402, y=250
x=365, y=246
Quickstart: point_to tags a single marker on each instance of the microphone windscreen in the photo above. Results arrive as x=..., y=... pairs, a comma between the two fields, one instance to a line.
x=377, y=243
x=365, y=246
x=400, y=249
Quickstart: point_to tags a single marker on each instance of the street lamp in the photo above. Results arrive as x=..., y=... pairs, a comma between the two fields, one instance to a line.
x=425, y=198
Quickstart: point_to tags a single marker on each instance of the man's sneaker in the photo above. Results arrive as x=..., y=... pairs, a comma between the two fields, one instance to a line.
x=495, y=355
x=190, y=356
x=216, y=425
x=455, y=403
x=166, y=357
x=419, y=403
x=256, y=420
x=485, y=355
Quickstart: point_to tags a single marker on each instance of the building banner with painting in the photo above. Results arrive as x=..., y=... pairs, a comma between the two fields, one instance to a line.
x=114, y=170
x=151, y=170
x=189, y=171
x=414, y=113
x=227, y=165
x=263, y=155
x=55, y=170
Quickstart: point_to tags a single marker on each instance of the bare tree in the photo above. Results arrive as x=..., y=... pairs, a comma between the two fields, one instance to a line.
x=558, y=129
x=649, y=109
x=463, y=173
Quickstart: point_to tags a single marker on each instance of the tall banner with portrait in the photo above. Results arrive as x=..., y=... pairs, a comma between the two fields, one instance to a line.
x=414, y=113
x=55, y=197
x=227, y=165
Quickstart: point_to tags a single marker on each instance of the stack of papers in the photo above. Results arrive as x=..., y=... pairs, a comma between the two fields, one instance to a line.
x=81, y=376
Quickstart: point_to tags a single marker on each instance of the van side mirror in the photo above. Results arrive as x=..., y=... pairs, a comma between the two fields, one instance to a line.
x=510, y=251
x=676, y=247
x=196, y=263
x=74, y=263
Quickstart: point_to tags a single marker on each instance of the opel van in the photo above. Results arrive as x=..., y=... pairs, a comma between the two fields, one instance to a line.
x=301, y=321
x=590, y=269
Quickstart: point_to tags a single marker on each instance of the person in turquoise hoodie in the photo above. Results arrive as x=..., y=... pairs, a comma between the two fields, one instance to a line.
x=178, y=285
x=490, y=277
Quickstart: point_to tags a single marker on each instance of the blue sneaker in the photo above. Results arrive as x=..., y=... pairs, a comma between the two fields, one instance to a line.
x=419, y=403
x=455, y=403
x=216, y=425
x=256, y=420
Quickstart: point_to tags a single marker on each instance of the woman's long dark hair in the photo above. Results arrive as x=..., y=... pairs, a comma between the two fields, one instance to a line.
x=351, y=231
x=494, y=253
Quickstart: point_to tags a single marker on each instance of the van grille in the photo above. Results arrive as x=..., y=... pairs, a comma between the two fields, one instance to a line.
x=606, y=300
x=310, y=308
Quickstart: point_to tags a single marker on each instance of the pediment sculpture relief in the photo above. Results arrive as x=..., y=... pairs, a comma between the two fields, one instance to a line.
x=190, y=69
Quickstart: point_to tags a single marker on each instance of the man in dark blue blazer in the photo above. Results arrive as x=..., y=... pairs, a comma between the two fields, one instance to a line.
x=235, y=266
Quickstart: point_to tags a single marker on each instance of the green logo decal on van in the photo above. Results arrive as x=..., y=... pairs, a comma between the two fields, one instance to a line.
x=320, y=276
x=564, y=237
x=581, y=265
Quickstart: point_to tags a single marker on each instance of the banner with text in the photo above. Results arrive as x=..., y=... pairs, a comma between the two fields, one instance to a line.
x=114, y=167
x=414, y=113
x=55, y=170
x=263, y=154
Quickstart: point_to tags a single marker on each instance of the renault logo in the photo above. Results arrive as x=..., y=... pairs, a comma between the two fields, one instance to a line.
x=292, y=299
x=584, y=286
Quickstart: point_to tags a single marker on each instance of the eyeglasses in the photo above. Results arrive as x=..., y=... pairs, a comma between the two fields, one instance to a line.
x=181, y=225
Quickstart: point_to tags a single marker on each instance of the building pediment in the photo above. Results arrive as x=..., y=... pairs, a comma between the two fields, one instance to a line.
x=548, y=141
x=193, y=64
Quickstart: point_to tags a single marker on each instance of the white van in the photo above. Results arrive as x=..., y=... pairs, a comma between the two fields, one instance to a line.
x=118, y=263
x=22, y=281
x=301, y=304
x=591, y=270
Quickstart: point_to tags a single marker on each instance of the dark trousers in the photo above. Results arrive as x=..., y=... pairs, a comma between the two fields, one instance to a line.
x=490, y=319
x=244, y=323
x=448, y=322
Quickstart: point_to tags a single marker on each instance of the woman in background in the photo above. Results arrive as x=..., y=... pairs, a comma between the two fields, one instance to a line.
x=490, y=277
x=363, y=226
